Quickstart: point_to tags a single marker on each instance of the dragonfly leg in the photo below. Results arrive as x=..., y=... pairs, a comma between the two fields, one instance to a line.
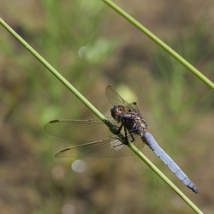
x=132, y=137
x=126, y=136
x=118, y=132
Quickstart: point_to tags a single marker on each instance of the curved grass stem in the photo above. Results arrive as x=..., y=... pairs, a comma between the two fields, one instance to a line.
x=160, y=43
x=53, y=71
x=96, y=112
x=163, y=177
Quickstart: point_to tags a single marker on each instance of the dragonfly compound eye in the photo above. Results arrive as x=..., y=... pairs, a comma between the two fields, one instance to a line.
x=115, y=112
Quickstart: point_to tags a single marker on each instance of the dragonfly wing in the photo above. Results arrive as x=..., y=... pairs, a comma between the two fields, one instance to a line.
x=109, y=147
x=79, y=130
x=115, y=99
x=168, y=161
x=135, y=106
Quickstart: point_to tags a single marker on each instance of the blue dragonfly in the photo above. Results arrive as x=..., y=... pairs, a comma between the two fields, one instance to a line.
x=94, y=139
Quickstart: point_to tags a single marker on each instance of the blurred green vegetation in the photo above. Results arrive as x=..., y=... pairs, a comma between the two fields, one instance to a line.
x=92, y=47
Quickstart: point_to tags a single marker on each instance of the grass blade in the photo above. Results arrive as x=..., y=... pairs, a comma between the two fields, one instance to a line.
x=160, y=43
x=164, y=178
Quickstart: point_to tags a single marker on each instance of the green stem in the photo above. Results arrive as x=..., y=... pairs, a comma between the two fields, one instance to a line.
x=160, y=43
x=53, y=71
x=163, y=177
x=95, y=111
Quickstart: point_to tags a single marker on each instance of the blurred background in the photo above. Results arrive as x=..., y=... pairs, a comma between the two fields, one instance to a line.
x=92, y=47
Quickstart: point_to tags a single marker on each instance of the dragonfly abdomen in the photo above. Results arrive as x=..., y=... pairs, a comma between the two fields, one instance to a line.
x=153, y=145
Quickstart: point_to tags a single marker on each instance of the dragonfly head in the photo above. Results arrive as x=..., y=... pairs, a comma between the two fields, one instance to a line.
x=116, y=112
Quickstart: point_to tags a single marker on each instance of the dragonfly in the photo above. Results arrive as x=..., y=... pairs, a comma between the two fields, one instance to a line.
x=94, y=139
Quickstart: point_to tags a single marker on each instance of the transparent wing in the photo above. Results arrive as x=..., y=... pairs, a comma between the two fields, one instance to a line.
x=115, y=99
x=79, y=130
x=89, y=131
x=82, y=130
x=109, y=147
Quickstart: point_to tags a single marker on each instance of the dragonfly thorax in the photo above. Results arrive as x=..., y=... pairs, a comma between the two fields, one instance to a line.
x=132, y=121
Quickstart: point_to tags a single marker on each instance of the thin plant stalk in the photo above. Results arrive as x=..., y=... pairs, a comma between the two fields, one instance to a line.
x=164, y=178
x=53, y=71
x=158, y=41
x=98, y=114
